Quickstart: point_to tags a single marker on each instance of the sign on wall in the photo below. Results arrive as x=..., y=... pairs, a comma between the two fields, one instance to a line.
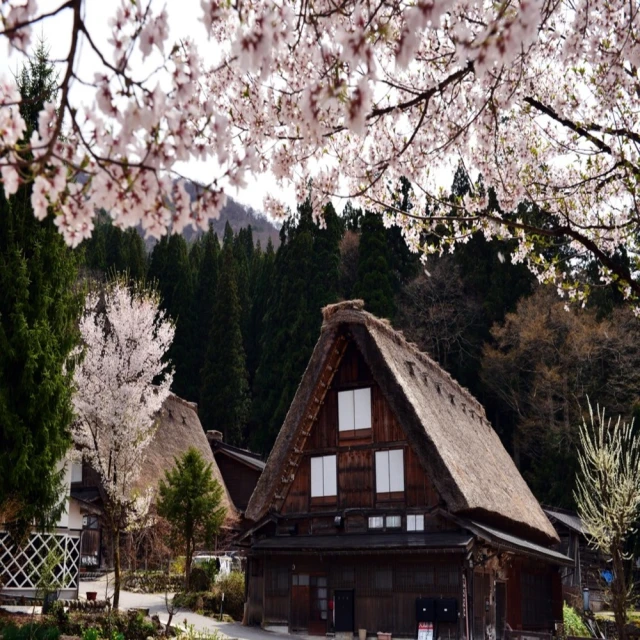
x=425, y=631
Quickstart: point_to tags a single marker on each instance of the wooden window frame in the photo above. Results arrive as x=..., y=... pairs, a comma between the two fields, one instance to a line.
x=323, y=500
x=389, y=496
x=361, y=435
x=415, y=526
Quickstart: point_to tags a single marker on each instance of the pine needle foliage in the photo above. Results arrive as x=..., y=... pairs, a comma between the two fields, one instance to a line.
x=189, y=498
x=39, y=307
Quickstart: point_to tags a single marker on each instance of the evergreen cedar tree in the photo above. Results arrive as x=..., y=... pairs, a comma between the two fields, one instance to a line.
x=225, y=402
x=374, y=284
x=39, y=305
x=189, y=498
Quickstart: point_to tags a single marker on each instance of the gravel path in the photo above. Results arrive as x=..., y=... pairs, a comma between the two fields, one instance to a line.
x=156, y=604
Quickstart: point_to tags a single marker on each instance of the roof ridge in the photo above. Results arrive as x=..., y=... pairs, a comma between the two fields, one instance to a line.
x=352, y=311
x=190, y=405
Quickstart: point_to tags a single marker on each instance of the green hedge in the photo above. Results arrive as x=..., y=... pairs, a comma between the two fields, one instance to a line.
x=231, y=585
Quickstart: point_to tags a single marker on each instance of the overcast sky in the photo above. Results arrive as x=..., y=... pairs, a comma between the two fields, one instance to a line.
x=183, y=21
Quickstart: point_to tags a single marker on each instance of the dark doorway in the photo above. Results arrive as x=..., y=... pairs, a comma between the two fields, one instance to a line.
x=299, y=601
x=481, y=604
x=501, y=609
x=344, y=610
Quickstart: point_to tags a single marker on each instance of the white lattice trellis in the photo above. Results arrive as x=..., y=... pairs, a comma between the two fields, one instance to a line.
x=21, y=568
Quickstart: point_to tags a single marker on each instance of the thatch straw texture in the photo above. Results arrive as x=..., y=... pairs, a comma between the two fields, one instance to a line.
x=444, y=423
x=178, y=429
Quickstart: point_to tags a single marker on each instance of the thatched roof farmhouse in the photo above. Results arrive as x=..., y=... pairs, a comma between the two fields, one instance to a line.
x=388, y=500
x=447, y=426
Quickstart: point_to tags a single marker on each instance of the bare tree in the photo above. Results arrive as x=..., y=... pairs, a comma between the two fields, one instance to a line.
x=608, y=497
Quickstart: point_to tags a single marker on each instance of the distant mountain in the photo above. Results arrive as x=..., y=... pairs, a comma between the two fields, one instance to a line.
x=239, y=216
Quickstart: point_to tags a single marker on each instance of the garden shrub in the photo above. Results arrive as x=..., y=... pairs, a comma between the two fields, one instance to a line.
x=178, y=565
x=211, y=568
x=91, y=634
x=232, y=585
x=30, y=631
x=199, y=580
x=573, y=623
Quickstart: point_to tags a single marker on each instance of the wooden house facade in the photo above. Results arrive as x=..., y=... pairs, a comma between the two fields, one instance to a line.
x=588, y=566
x=240, y=469
x=388, y=499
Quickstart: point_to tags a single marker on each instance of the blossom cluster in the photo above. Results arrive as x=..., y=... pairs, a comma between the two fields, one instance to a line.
x=121, y=381
x=538, y=98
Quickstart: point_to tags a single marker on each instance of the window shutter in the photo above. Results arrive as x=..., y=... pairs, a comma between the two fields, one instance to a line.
x=329, y=474
x=382, y=472
x=317, y=483
x=76, y=472
x=362, y=403
x=396, y=470
x=345, y=411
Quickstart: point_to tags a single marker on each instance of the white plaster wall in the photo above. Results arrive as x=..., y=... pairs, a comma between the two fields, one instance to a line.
x=75, y=516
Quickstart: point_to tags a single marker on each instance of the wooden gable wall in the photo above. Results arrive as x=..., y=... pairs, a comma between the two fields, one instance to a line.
x=356, y=453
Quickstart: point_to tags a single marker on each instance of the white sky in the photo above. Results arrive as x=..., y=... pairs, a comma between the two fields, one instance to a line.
x=183, y=21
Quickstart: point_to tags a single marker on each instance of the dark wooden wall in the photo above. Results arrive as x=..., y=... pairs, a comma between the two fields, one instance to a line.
x=386, y=587
x=90, y=478
x=356, y=455
x=239, y=478
x=534, y=595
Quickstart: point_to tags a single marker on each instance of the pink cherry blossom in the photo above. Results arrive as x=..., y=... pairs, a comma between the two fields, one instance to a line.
x=540, y=99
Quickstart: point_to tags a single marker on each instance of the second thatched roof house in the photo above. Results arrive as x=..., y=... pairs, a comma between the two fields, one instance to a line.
x=388, y=501
x=178, y=429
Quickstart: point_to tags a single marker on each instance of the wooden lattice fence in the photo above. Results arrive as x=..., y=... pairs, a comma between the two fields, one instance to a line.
x=21, y=568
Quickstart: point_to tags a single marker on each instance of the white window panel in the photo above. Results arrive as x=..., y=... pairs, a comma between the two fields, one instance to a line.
x=415, y=522
x=382, y=472
x=420, y=523
x=345, y=411
x=362, y=404
x=76, y=472
x=375, y=522
x=396, y=470
x=317, y=483
x=323, y=476
x=330, y=476
x=394, y=522
x=411, y=523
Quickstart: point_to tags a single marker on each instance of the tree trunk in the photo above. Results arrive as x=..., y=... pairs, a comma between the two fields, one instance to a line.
x=116, y=566
x=619, y=591
x=187, y=564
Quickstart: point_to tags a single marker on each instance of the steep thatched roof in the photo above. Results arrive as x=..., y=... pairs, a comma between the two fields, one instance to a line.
x=179, y=428
x=444, y=423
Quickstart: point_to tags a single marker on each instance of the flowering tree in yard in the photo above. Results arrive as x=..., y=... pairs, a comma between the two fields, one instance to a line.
x=539, y=97
x=608, y=498
x=120, y=384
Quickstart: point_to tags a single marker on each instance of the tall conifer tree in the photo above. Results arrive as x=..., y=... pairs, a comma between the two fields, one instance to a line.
x=224, y=396
x=374, y=283
x=305, y=279
x=204, y=299
x=171, y=268
x=39, y=307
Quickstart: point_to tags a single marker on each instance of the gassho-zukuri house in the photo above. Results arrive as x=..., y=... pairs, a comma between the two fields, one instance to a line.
x=388, y=499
